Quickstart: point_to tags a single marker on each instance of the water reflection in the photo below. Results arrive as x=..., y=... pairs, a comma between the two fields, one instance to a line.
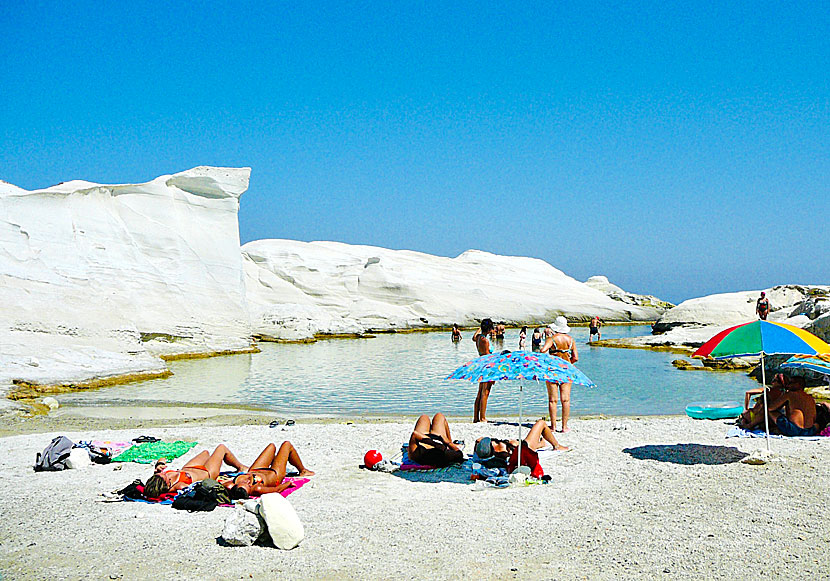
x=404, y=374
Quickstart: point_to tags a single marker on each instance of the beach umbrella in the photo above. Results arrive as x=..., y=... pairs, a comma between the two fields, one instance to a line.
x=520, y=366
x=816, y=363
x=762, y=338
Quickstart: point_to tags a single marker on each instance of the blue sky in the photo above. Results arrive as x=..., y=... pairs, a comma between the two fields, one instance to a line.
x=681, y=149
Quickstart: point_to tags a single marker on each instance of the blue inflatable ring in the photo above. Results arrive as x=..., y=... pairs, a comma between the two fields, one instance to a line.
x=714, y=410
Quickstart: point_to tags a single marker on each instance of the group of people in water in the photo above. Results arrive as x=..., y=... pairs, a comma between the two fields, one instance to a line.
x=555, y=340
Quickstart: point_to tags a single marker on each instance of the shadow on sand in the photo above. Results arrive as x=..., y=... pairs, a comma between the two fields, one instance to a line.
x=687, y=454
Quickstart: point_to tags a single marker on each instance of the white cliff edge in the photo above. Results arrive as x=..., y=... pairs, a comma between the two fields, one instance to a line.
x=693, y=322
x=297, y=289
x=101, y=280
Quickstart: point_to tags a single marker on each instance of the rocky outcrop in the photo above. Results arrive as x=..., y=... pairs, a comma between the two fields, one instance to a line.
x=298, y=289
x=602, y=284
x=693, y=322
x=102, y=280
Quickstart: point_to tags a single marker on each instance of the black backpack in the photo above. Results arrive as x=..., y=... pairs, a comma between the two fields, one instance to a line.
x=55, y=455
x=205, y=496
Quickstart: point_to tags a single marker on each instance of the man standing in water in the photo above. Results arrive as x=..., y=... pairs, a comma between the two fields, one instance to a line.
x=595, y=329
x=762, y=306
x=483, y=346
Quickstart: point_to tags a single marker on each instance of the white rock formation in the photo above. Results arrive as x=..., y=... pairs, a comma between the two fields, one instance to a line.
x=297, y=289
x=602, y=284
x=693, y=322
x=99, y=280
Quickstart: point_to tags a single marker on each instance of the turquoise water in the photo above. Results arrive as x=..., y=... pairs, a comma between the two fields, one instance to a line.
x=404, y=374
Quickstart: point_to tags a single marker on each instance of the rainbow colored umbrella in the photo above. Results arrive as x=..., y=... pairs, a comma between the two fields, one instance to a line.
x=762, y=338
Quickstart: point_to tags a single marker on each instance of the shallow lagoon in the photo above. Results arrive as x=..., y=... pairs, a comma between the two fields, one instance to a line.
x=402, y=374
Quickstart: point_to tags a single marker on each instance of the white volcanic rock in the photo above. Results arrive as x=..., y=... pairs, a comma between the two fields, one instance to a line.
x=602, y=284
x=98, y=280
x=693, y=322
x=297, y=289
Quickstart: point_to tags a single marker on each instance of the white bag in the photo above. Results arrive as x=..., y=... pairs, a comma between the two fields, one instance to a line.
x=284, y=525
x=78, y=458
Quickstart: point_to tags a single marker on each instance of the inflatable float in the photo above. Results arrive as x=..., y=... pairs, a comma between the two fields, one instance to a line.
x=714, y=410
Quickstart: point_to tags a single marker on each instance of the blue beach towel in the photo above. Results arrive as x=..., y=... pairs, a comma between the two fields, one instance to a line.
x=736, y=432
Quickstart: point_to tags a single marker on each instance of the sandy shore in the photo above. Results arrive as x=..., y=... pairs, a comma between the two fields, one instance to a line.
x=665, y=497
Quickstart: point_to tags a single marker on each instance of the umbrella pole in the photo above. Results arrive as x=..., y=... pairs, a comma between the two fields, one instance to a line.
x=764, y=386
x=521, y=393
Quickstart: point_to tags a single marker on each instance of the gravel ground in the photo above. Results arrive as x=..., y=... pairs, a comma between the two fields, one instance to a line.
x=666, y=497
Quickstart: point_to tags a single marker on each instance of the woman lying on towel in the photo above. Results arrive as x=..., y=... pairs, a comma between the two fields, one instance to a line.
x=431, y=443
x=508, y=450
x=267, y=472
x=201, y=466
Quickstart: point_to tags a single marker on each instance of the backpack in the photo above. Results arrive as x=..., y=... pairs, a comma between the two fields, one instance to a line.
x=55, y=455
x=205, y=496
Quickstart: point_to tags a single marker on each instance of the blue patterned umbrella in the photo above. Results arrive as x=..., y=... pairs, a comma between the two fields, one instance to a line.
x=507, y=365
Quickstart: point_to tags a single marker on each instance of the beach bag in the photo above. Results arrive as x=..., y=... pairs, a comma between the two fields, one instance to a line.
x=205, y=496
x=55, y=455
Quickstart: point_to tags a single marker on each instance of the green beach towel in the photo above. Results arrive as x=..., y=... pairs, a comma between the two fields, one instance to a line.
x=149, y=451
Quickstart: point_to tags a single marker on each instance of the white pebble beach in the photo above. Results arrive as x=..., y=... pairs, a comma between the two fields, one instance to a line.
x=663, y=497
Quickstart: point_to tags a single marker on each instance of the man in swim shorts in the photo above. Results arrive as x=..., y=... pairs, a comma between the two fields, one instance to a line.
x=762, y=307
x=794, y=412
x=595, y=329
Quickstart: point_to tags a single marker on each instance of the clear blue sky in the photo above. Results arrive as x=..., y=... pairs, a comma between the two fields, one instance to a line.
x=681, y=149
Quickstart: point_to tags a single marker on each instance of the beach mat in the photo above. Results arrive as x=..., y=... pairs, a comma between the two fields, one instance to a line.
x=148, y=452
x=736, y=432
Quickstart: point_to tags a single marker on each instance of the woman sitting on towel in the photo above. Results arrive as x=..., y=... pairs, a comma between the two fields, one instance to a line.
x=200, y=467
x=267, y=472
x=431, y=443
x=508, y=450
x=753, y=417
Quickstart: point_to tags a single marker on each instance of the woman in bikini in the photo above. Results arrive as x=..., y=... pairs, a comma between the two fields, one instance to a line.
x=560, y=344
x=267, y=472
x=539, y=435
x=200, y=467
x=431, y=443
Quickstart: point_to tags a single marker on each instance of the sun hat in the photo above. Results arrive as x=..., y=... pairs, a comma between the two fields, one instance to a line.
x=484, y=449
x=560, y=325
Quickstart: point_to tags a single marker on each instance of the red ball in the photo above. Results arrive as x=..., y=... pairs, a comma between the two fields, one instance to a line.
x=371, y=458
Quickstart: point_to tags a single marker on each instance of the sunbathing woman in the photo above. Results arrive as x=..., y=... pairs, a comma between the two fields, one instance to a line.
x=754, y=417
x=201, y=466
x=431, y=443
x=267, y=472
x=539, y=435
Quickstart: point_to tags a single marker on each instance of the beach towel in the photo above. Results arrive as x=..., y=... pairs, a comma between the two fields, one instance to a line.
x=148, y=452
x=115, y=448
x=169, y=497
x=736, y=432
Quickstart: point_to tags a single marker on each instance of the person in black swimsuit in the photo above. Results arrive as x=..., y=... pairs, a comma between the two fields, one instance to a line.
x=456, y=333
x=762, y=307
x=431, y=443
x=536, y=340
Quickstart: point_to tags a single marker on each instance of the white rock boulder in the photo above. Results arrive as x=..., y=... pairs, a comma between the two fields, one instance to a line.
x=602, y=284
x=296, y=289
x=99, y=280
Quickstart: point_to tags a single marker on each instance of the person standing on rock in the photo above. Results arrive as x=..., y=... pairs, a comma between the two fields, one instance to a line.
x=595, y=328
x=762, y=306
x=560, y=344
x=483, y=346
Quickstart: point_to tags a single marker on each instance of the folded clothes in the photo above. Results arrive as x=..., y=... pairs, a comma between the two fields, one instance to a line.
x=148, y=452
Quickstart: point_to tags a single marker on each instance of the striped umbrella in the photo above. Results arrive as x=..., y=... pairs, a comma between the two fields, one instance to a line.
x=761, y=338
x=818, y=363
